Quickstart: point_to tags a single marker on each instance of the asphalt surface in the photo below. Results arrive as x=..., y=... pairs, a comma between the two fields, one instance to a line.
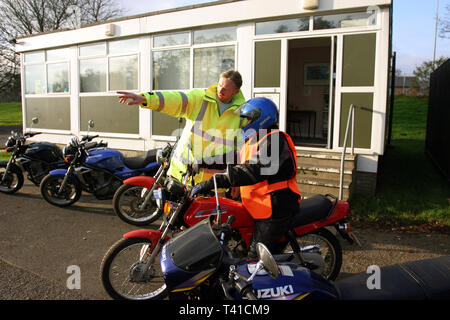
x=41, y=243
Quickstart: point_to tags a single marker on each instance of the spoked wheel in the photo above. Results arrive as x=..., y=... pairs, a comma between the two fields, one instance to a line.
x=13, y=180
x=322, y=249
x=50, y=191
x=127, y=204
x=122, y=272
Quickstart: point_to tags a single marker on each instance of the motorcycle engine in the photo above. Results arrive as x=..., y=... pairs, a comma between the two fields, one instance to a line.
x=36, y=171
x=101, y=183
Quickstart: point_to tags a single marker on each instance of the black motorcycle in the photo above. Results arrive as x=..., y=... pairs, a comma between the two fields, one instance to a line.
x=37, y=159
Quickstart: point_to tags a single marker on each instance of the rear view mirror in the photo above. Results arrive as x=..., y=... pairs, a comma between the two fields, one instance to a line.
x=268, y=261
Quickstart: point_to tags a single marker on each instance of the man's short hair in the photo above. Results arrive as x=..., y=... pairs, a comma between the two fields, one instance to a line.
x=234, y=76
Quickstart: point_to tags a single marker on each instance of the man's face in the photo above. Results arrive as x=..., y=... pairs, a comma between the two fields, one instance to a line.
x=226, y=90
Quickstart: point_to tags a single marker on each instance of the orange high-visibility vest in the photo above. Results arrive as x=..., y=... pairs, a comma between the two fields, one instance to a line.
x=256, y=198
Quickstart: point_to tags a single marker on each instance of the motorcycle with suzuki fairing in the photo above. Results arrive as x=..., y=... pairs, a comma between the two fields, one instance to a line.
x=99, y=171
x=198, y=265
x=130, y=269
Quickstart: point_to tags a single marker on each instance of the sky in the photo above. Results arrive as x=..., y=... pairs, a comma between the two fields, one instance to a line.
x=413, y=27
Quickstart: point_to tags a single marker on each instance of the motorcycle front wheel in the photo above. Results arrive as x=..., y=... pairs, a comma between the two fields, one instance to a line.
x=13, y=180
x=49, y=189
x=321, y=247
x=122, y=272
x=127, y=204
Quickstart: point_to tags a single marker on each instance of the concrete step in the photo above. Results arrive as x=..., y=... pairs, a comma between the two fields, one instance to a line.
x=319, y=172
x=329, y=164
x=323, y=173
x=309, y=189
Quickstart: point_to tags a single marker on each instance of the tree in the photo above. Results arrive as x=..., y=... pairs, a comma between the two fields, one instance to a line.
x=445, y=24
x=20, y=18
x=423, y=73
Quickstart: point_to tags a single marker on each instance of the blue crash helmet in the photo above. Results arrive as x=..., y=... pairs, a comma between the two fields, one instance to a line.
x=261, y=113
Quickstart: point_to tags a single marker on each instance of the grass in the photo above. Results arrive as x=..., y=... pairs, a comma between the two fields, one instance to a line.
x=410, y=191
x=10, y=114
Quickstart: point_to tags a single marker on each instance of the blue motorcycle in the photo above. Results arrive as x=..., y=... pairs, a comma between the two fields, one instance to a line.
x=99, y=171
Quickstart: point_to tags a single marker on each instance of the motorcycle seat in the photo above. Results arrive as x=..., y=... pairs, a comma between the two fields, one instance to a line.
x=417, y=280
x=141, y=161
x=312, y=209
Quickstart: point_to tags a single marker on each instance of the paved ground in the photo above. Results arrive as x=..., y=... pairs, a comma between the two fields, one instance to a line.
x=39, y=242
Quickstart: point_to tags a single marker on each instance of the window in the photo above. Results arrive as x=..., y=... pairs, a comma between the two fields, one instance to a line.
x=109, y=66
x=215, y=35
x=186, y=60
x=345, y=20
x=171, y=69
x=171, y=40
x=93, y=75
x=209, y=63
x=47, y=71
x=281, y=26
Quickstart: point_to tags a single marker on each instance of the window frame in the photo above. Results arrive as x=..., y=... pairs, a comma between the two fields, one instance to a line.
x=192, y=47
x=45, y=63
x=107, y=57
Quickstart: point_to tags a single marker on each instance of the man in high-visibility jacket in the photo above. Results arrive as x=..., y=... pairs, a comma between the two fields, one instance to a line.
x=266, y=175
x=212, y=121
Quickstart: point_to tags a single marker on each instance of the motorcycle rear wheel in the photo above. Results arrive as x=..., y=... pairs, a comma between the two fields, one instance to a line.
x=330, y=250
x=49, y=189
x=121, y=276
x=127, y=201
x=13, y=180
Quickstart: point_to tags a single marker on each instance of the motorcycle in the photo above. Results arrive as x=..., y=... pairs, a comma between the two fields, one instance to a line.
x=198, y=265
x=36, y=158
x=130, y=270
x=99, y=171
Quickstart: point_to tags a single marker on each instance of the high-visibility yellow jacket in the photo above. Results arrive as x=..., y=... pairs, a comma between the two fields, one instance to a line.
x=206, y=133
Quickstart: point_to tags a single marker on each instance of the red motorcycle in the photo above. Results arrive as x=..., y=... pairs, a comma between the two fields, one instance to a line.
x=131, y=267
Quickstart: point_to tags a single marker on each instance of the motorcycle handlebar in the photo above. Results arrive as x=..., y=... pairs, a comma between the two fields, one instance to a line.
x=89, y=138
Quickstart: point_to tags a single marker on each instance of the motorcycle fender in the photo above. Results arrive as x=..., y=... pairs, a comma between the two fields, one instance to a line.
x=62, y=172
x=153, y=235
x=58, y=172
x=143, y=181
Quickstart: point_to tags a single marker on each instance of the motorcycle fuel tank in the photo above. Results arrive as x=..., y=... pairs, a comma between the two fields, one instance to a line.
x=44, y=151
x=294, y=283
x=105, y=158
x=202, y=208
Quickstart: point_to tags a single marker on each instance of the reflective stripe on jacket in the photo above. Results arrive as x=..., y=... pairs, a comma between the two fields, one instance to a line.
x=256, y=198
x=206, y=134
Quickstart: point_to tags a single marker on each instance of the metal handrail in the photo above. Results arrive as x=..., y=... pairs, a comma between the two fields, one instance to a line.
x=351, y=116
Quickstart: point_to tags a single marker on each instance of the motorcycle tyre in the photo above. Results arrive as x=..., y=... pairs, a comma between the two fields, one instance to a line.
x=105, y=267
x=20, y=180
x=42, y=188
x=334, y=243
x=124, y=217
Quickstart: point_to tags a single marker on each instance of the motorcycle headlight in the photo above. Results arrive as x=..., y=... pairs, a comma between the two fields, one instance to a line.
x=11, y=142
x=68, y=150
